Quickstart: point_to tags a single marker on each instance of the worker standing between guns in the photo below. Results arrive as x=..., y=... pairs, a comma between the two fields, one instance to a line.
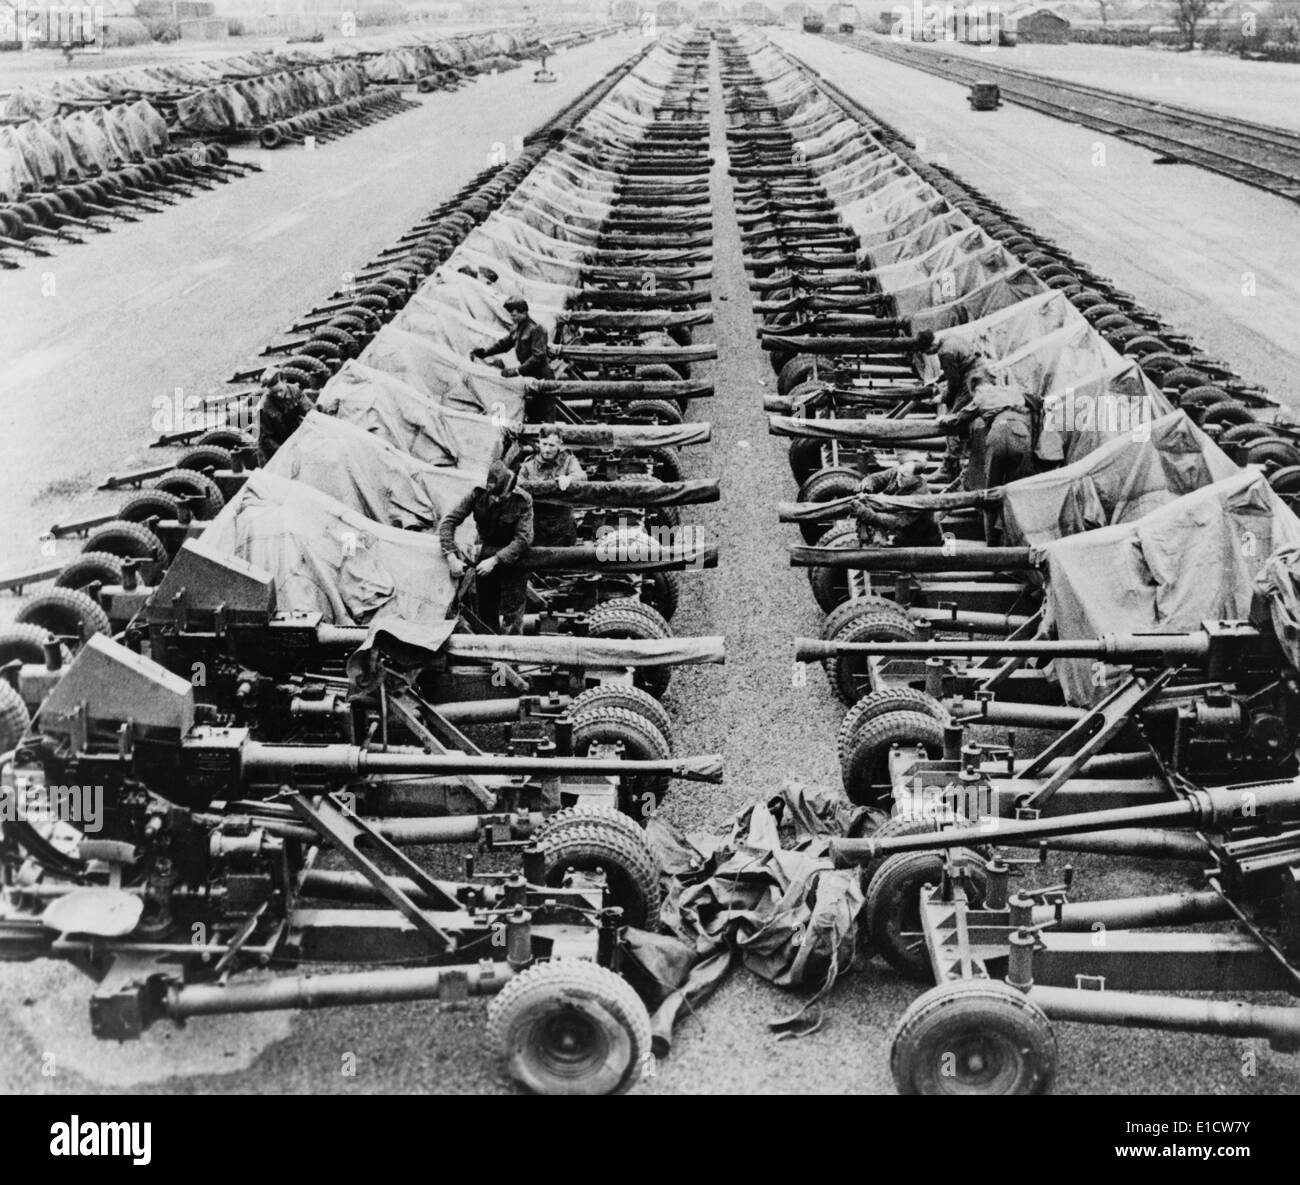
x=553, y=525
x=963, y=368
x=503, y=516
x=532, y=355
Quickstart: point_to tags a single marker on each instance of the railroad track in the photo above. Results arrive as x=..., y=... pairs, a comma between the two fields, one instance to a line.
x=1266, y=157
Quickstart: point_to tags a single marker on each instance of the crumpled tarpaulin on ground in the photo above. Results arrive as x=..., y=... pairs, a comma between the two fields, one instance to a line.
x=1193, y=560
x=326, y=558
x=752, y=897
x=1118, y=482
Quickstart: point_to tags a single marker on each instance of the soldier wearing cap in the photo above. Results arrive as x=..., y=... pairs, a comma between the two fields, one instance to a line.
x=963, y=368
x=532, y=357
x=907, y=527
x=553, y=525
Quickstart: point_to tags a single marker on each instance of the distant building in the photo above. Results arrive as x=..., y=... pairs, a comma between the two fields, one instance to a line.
x=1041, y=27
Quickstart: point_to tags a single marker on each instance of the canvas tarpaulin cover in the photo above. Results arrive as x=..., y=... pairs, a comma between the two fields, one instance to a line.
x=408, y=419
x=1278, y=601
x=370, y=476
x=1192, y=560
x=1120, y=481
x=445, y=376
x=326, y=558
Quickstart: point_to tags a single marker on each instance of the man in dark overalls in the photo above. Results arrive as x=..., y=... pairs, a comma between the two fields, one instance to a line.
x=532, y=355
x=503, y=516
x=908, y=528
x=282, y=408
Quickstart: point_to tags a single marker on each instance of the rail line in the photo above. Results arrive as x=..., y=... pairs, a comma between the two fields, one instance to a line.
x=1255, y=154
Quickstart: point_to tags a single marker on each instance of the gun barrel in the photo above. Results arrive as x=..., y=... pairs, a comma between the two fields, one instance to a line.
x=1257, y=804
x=913, y=559
x=264, y=762
x=1121, y=647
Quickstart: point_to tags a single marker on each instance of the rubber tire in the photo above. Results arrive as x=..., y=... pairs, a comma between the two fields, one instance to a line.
x=90, y=567
x=639, y=794
x=130, y=541
x=826, y=485
x=830, y=586
x=1184, y=378
x=868, y=755
x=806, y=457
x=14, y=718
x=149, y=504
x=871, y=623
x=798, y=370
x=1244, y=433
x=659, y=410
x=65, y=612
x=628, y=618
x=26, y=643
x=206, y=458
x=1271, y=449
x=191, y=483
x=592, y=837
x=1230, y=412
x=946, y=1015
x=620, y=695
x=229, y=439
x=665, y=592
x=665, y=464
x=519, y=1015
x=877, y=703
x=893, y=899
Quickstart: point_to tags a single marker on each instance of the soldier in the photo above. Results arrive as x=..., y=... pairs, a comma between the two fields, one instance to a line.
x=908, y=528
x=528, y=339
x=963, y=368
x=282, y=408
x=503, y=516
x=998, y=423
x=553, y=526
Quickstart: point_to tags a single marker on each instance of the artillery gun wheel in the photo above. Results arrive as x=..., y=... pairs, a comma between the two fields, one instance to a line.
x=1244, y=433
x=661, y=591
x=973, y=1036
x=1230, y=412
x=147, y=504
x=892, y=915
x=877, y=703
x=618, y=695
x=594, y=838
x=830, y=586
x=850, y=674
x=90, y=567
x=65, y=612
x=805, y=457
x=206, y=458
x=130, y=541
x=24, y=643
x=841, y=615
x=826, y=485
x=1183, y=378
x=798, y=370
x=1286, y=484
x=865, y=764
x=665, y=464
x=658, y=411
x=641, y=741
x=570, y=1027
x=1274, y=450
x=14, y=717
x=1204, y=396
x=189, y=483
x=224, y=438
x=627, y=618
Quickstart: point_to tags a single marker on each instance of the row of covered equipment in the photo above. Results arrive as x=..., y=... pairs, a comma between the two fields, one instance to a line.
x=425, y=602
x=1028, y=504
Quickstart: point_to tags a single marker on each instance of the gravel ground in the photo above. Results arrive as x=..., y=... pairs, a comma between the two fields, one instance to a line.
x=753, y=710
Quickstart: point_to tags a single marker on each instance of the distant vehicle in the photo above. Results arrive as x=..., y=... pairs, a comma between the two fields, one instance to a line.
x=846, y=17
x=813, y=22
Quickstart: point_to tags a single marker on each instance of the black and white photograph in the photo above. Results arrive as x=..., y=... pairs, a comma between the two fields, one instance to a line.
x=599, y=547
